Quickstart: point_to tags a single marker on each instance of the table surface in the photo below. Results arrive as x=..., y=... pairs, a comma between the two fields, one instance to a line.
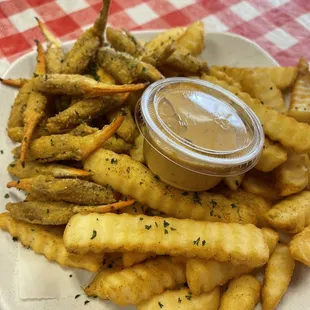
x=281, y=27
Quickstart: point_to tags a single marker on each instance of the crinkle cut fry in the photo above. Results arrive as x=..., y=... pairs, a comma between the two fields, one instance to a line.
x=124, y=287
x=48, y=241
x=239, y=244
x=277, y=126
x=130, y=177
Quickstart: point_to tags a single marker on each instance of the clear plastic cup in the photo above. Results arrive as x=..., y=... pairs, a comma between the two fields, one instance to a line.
x=197, y=133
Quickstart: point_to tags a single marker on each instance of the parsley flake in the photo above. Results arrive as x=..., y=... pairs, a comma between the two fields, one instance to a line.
x=173, y=229
x=6, y=196
x=77, y=296
x=15, y=239
x=47, y=211
x=214, y=203
x=160, y=304
x=156, y=177
x=179, y=300
x=148, y=227
x=166, y=232
x=196, y=198
x=113, y=161
x=86, y=302
x=1, y=151
x=94, y=235
x=166, y=224
x=156, y=224
x=185, y=193
x=35, y=75
x=203, y=242
x=237, y=182
x=233, y=205
x=189, y=296
x=196, y=242
x=141, y=218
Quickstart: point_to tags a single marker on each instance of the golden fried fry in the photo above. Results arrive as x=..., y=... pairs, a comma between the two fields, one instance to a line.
x=84, y=110
x=282, y=77
x=292, y=214
x=14, y=82
x=32, y=169
x=85, y=47
x=123, y=41
x=104, y=209
x=234, y=182
x=292, y=175
x=300, y=99
x=125, y=68
x=41, y=212
x=300, y=246
x=271, y=238
x=54, y=53
x=124, y=287
x=69, y=147
x=136, y=152
x=259, y=86
x=272, y=156
x=134, y=258
x=242, y=294
x=302, y=66
x=239, y=244
x=77, y=85
x=183, y=300
x=48, y=241
x=278, y=275
x=128, y=130
x=70, y=190
x=254, y=202
x=117, y=145
x=277, y=126
x=204, y=276
x=130, y=177
x=105, y=77
x=222, y=75
x=261, y=184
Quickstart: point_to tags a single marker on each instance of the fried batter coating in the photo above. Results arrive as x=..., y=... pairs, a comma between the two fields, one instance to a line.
x=63, y=189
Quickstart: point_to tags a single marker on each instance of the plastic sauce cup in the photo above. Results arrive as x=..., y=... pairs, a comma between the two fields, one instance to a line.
x=197, y=133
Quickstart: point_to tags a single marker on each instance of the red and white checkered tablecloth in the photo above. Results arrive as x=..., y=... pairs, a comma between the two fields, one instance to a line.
x=282, y=27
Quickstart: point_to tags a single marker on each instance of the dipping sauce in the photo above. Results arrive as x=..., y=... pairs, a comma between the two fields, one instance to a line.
x=197, y=133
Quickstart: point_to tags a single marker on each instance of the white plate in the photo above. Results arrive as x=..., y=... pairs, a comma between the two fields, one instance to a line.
x=221, y=49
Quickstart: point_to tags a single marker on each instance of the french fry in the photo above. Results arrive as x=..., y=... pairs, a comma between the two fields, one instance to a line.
x=32, y=169
x=300, y=246
x=125, y=68
x=135, y=209
x=54, y=53
x=130, y=177
x=16, y=134
x=124, y=287
x=204, y=276
x=277, y=126
x=300, y=99
x=133, y=258
x=182, y=299
x=86, y=46
x=278, y=275
x=272, y=156
x=104, y=209
x=128, y=130
x=77, y=85
x=117, y=145
x=282, y=77
x=234, y=182
x=136, y=151
x=259, y=86
x=258, y=204
x=14, y=82
x=292, y=175
x=69, y=147
x=242, y=293
x=292, y=214
x=71, y=190
x=84, y=110
x=166, y=236
x=48, y=241
x=123, y=41
x=222, y=75
x=261, y=184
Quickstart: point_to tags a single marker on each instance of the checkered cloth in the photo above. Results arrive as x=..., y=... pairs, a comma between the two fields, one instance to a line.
x=282, y=27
